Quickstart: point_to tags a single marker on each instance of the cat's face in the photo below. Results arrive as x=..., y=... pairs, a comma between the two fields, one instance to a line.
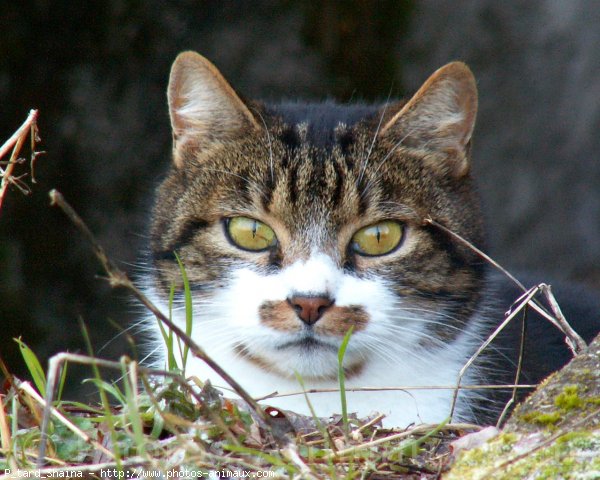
x=297, y=223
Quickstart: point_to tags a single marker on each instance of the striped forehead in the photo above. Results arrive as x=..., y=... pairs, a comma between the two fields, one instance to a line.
x=318, y=125
x=316, y=168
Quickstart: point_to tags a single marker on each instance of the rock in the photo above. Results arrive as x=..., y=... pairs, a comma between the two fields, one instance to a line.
x=554, y=433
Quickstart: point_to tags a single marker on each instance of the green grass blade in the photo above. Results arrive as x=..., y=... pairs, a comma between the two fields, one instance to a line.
x=158, y=424
x=320, y=427
x=110, y=421
x=310, y=406
x=170, y=339
x=133, y=411
x=272, y=459
x=342, y=380
x=110, y=388
x=410, y=449
x=188, y=310
x=61, y=383
x=168, y=336
x=33, y=365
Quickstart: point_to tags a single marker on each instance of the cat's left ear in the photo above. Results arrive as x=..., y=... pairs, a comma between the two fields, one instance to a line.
x=439, y=119
x=204, y=109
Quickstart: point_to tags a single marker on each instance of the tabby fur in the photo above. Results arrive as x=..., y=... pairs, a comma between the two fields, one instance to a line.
x=316, y=174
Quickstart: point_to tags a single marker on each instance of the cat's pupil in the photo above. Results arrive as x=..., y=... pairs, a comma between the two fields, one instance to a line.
x=250, y=234
x=378, y=239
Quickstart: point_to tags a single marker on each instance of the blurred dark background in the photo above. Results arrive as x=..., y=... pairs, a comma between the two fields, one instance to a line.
x=97, y=71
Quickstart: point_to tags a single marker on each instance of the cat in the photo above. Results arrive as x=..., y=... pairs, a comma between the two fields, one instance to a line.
x=298, y=221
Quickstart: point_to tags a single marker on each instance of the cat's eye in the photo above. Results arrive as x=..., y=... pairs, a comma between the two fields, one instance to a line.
x=250, y=234
x=378, y=239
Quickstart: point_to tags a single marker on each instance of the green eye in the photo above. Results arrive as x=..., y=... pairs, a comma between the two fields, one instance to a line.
x=378, y=239
x=250, y=234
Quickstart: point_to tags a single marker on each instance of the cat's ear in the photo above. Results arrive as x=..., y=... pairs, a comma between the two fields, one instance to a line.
x=204, y=109
x=439, y=118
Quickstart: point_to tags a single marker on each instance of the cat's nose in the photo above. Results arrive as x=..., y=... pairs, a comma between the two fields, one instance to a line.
x=310, y=308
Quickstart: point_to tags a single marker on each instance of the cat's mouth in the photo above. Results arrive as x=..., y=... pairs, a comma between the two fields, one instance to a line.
x=307, y=343
x=306, y=355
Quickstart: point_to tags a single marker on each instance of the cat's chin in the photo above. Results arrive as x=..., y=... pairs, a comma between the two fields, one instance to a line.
x=308, y=355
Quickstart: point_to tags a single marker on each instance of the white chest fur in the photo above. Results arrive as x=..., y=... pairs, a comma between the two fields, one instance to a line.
x=431, y=404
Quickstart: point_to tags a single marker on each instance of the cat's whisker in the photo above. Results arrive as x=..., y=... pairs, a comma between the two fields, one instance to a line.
x=380, y=346
x=139, y=325
x=271, y=161
x=150, y=355
x=385, y=158
x=396, y=146
x=365, y=162
x=447, y=321
x=417, y=333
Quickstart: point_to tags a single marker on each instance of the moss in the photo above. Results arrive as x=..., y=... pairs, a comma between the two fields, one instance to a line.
x=506, y=441
x=569, y=398
x=475, y=457
x=539, y=418
x=568, y=437
x=566, y=458
x=508, y=438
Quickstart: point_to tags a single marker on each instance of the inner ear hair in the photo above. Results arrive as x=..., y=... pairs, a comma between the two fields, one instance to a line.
x=203, y=107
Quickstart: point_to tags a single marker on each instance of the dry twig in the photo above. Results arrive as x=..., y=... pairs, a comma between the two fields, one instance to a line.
x=572, y=338
x=118, y=278
x=5, y=436
x=15, y=142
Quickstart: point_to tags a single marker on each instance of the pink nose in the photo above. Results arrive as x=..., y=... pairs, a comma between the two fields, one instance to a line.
x=308, y=308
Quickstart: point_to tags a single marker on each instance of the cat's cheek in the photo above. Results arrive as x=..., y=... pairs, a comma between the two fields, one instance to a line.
x=372, y=296
x=338, y=320
x=279, y=316
x=247, y=291
x=389, y=316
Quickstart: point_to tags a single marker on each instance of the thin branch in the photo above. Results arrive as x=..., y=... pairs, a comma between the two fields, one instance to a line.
x=513, y=397
x=27, y=388
x=469, y=245
x=573, y=340
x=118, y=278
x=485, y=344
x=391, y=389
x=424, y=428
x=10, y=143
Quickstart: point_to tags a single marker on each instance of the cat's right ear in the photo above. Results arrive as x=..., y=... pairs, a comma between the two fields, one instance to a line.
x=204, y=109
x=439, y=119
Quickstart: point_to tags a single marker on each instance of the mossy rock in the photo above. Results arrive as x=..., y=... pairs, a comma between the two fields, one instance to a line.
x=574, y=455
x=553, y=434
x=564, y=399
